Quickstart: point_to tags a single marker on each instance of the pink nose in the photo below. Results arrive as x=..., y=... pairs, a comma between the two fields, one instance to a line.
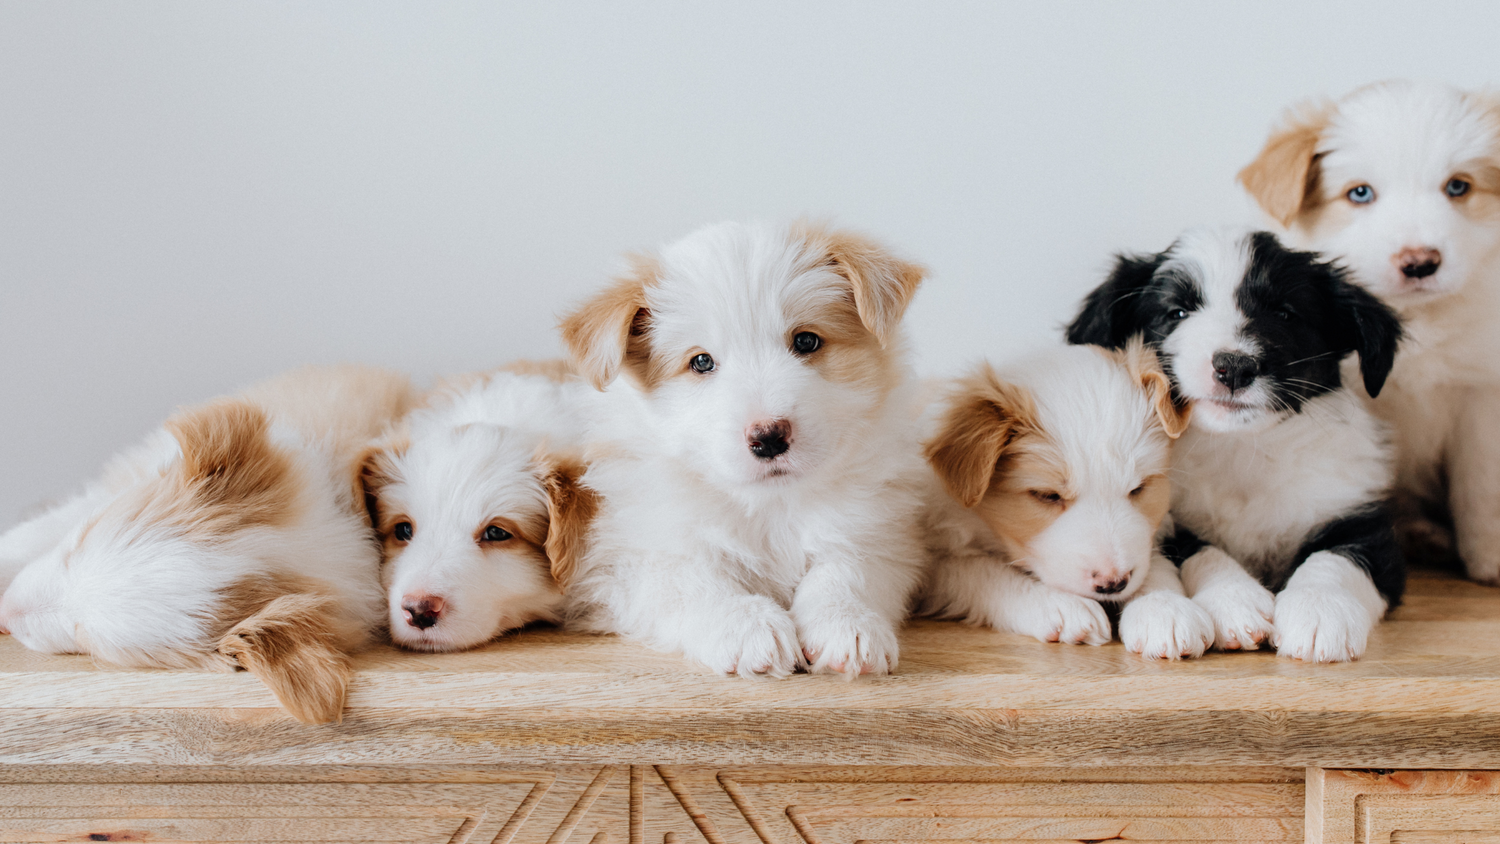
x=1417, y=261
x=1110, y=582
x=423, y=611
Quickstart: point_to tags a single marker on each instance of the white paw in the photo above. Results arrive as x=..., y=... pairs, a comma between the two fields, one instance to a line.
x=1241, y=612
x=1165, y=625
x=847, y=641
x=1052, y=615
x=1319, y=625
x=751, y=635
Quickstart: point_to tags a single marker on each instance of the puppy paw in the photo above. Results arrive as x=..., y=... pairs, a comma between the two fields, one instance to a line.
x=752, y=635
x=1321, y=626
x=1055, y=616
x=849, y=642
x=1241, y=614
x=1165, y=625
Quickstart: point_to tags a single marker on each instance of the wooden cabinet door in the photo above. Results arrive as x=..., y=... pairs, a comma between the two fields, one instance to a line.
x=1403, y=807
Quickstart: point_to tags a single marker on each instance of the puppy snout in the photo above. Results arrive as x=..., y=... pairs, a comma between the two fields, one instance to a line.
x=769, y=440
x=1418, y=261
x=1110, y=582
x=1235, y=370
x=423, y=611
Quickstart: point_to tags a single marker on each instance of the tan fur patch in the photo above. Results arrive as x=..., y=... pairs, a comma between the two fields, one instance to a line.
x=983, y=417
x=375, y=469
x=571, y=508
x=1284, y=177
x=291, y=645
x=556, y=369
x=1032, y=463
x=1154, y=499
x=1145, y=367
x=612, y=330
x=231, y=476
x=881, y=284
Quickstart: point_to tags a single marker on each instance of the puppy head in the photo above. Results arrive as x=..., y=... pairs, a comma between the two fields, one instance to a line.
x=1065, y=458
x=479, y=531
x=1247, y=329
x=763, y=352
x=1400, y=181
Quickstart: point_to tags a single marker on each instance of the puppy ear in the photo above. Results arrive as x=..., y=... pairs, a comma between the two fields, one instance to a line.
x=983, y=417
x=232, y=473
x=1145, y=367
x=1370, y=328
x=612, y=329
x=1110, y=315
x=292, y=647
x=1285, y=175
x=374, y=468
x=883, y=284
x=570, y=509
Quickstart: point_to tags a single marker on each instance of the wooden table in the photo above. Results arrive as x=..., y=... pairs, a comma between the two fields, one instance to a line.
x=550, y=737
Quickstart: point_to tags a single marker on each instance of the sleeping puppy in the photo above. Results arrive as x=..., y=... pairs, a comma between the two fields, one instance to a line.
x=234, y=537
x=1282, y=473
x=479, y=509
x=1400, y=182
x=1057, y=467
x=759, y=512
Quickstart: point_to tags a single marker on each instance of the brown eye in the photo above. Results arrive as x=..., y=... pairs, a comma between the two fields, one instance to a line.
x=1457, y=187
x=402, y=532
x=495, y=533
x=702, y=363
x=1138, y=490
x=1046, y=496
x=806, y=342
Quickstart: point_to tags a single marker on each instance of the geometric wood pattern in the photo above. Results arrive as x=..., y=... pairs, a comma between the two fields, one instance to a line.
x=1366, y=807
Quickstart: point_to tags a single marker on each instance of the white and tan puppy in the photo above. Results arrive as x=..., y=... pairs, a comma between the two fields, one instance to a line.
x=1400, y=182
x=234, y=537
x=1057, y=467
x=759, y=513
x=479, y=510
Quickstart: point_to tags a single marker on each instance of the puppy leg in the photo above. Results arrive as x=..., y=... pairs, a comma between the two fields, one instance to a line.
x=1327, y=610
x=1474, y=485
x=1241, y=608
x=847, y=611
x=292, y=647
x=1160, y=621
x=986, y=590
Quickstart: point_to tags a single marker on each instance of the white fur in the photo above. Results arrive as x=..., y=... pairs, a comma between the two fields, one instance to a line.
x=1406, y=140
x=1241, y=609
x=1327, y=610
x=745, y=566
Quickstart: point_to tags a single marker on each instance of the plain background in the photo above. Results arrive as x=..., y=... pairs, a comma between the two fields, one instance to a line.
x=196, y=195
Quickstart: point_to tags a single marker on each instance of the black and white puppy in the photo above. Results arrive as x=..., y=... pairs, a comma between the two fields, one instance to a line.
x=1283, y=474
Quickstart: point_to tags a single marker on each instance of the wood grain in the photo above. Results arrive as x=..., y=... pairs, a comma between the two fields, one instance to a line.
x=1364, y=807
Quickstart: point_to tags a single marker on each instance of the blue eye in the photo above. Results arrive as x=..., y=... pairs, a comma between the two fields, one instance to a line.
x=1361, y=194
x=702, y=363
x=1457, y=187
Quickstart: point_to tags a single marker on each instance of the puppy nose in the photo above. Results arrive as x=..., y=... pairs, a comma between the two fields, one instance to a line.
x=1418, y=261
x=422, y=611
x=769, y=439
x=1235, y=370
x=1110, y=583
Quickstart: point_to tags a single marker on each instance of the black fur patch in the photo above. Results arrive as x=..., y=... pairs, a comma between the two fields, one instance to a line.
x=1182, y=545
x=1367, y=537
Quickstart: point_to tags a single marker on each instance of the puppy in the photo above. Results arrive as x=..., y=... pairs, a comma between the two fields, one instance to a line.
x=760, y=510
x=1401, y=183
x=1283, y=473
x=234, y=537
x=479, y=508
x=1058, y=473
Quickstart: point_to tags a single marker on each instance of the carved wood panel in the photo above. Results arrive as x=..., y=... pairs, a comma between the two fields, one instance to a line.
x=1409, y=807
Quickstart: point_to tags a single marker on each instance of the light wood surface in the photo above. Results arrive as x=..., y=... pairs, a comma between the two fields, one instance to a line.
x=1381, y=807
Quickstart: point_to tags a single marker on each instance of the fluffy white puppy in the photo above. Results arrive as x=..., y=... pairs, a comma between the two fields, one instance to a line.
x=480, y=513
x=1280, y=481
x=760, y=511
x=1057, y=466
x=1400, y=182
x=234, y=537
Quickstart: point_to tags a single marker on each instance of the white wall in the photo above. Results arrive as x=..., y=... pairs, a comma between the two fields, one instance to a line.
x=195, y=195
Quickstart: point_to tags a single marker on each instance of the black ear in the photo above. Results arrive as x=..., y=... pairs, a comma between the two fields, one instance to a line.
x=1111, y=315
x=1371, y=328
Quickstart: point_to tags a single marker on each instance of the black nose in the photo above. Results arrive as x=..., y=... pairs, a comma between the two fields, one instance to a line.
x=1422, y=270
x=770, y=440
x=424, y=613
x=1114, y=587
x=1235, y=370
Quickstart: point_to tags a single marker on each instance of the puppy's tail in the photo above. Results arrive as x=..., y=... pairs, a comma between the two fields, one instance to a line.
x=293, y=645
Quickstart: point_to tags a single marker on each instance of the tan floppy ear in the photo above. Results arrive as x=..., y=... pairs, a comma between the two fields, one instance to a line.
x=883, y=284
x=570, y=509
x=292, y=647
x=1145, y=367
x=236, y=476
x=610, y=331
x=373, y=469
x=983, y=417
x=1284, y=177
